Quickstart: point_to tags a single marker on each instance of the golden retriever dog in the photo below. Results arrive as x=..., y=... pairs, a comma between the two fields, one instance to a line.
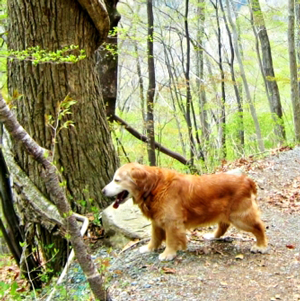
x=175, y=202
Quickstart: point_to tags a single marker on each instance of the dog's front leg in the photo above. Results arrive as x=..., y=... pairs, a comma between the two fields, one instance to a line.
x=175, y=240
x=157, y=237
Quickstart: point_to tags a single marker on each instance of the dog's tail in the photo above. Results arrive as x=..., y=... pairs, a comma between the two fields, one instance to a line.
x=253, y=189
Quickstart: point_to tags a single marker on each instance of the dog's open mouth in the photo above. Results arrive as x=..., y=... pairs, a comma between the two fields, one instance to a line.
x=120, y=198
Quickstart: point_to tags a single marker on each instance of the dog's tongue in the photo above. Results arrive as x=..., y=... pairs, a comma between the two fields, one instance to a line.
x=118, y=200
x=120, y=197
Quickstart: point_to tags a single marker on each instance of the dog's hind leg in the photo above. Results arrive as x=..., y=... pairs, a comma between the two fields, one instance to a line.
x=252, y=223
x=222, y=228
x=158, y=235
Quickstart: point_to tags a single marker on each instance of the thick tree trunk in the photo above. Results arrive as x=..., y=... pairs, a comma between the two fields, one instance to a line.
x=85, y=152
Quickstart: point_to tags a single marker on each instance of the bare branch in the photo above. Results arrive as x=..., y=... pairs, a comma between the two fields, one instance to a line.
x=143, y=138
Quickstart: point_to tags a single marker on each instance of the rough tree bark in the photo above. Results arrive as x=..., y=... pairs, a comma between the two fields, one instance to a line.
x=107, y=61
x=85, y=152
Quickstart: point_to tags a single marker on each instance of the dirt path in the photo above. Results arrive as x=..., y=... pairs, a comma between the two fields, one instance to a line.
x=225, y=269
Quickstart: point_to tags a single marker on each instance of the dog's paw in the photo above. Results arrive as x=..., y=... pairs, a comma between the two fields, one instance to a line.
x=209, y=236
x=145, y=249
x=257, y=249
x=167, y=256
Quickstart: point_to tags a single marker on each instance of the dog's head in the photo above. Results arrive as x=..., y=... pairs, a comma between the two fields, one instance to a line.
x=130, y=180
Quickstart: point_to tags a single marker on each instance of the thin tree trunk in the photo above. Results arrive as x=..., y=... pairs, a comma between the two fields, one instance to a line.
x=235, y=85
x=223, y=94
x=151, y=87
x=293, y=69
x=275, y=104
x=141, y=83
x=200, y=74
x=245, y=82
x=297, y=9
x=188, y=86
x=174, y=94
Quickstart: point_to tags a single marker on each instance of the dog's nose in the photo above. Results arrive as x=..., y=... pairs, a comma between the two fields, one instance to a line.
x=103, y=191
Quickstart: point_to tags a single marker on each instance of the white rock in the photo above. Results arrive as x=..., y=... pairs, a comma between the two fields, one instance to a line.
x=124, y=224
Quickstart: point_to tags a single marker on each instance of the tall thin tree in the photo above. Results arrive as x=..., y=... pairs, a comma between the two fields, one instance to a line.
x=235, y=84
x=293, y=69
x=268, y=69
x=222, y=75
x=188, y=111
x=151, y=86
x=238, y=53
x=200, y=72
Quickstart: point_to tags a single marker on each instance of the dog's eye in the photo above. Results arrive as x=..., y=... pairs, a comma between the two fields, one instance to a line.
x=117, y=180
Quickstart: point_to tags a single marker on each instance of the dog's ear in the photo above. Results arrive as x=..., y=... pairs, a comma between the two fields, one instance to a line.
x=143, y=180
x=138, y=175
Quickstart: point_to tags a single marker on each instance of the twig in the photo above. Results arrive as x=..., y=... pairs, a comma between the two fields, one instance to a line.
x=134, y=244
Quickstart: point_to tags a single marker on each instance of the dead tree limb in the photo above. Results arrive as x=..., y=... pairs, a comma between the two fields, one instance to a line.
x=143, y=138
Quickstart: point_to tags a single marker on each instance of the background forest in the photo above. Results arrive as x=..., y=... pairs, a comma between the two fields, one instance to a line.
x=222, y=71
x=180, y=84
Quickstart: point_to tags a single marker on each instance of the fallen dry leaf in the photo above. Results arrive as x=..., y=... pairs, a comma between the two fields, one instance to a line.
x=167, y=270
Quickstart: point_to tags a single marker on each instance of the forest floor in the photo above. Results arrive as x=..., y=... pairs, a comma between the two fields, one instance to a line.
x=226, y=269
x=212, y=270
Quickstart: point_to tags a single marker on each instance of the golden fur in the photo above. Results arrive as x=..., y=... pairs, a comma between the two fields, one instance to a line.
x=175, y=202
